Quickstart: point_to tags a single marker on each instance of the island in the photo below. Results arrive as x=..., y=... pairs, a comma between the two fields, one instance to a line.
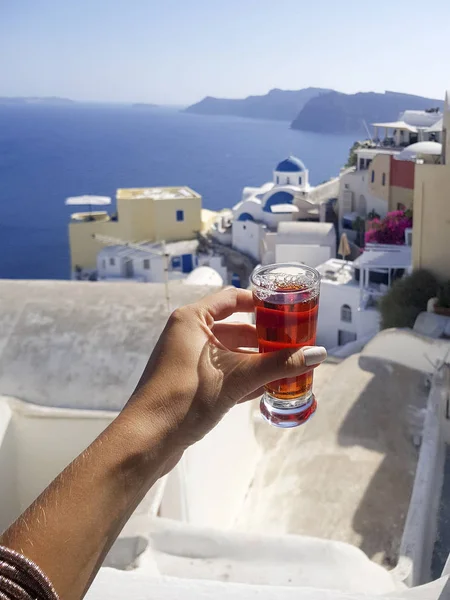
x=279, y=105
x=351, y=113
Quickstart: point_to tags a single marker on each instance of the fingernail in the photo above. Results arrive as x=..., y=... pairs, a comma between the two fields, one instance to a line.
x=314, y=355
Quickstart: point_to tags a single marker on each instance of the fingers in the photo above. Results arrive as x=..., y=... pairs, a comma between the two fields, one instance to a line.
x=260, y=369
x=223, y=304
x=236, y=335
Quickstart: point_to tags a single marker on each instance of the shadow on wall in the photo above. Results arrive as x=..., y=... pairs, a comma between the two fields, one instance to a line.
x=386, y=419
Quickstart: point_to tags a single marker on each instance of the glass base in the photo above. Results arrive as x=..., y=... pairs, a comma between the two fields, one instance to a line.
x=291, y=416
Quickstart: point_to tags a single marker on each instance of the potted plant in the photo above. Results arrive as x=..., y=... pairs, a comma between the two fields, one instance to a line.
x=442, y=306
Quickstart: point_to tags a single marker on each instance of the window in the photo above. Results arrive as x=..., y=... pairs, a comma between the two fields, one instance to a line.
x=299, y=181
x=383, y=180
x=278, y=179
x=180, y=215
x=362, y=164
x=373, y=176
x=104, y=263
x=346, y=313
x=347, y=186
x=112, y=261
x=288, y=180
x=176, y=262
x=146, y=263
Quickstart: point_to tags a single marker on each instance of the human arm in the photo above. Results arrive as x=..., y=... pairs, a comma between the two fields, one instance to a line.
x=194, y=376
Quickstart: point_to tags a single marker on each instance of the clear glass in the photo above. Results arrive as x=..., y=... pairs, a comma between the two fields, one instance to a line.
x=286, y=297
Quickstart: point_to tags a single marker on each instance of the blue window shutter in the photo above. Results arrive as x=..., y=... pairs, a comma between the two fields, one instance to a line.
x=180, y=215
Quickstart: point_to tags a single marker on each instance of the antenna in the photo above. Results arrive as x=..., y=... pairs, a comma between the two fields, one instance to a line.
x=107, y=240
x=367, y=130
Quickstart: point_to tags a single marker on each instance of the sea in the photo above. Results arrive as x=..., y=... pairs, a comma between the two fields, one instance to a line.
x=48, y=153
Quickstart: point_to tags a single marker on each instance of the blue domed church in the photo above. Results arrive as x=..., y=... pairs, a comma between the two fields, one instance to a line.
x=288, y=197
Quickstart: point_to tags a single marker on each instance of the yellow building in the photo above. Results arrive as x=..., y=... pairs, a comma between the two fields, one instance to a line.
x=431, y=233
x=143, y=215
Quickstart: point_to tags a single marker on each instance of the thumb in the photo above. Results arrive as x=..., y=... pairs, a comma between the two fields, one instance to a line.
x=271, y=366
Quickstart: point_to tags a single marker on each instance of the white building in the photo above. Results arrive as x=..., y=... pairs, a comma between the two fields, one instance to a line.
x=147, y=262
x=260, y=219
x=350, y=290
x=411, y=127
x=310, y=243
x=372, y=184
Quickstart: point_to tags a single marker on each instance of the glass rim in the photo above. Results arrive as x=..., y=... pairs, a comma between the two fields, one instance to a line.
x=311, y=286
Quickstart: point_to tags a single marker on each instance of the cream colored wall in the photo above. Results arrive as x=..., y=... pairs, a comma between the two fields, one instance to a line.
x=137, y=219
x=400, y=195
x=83, y=247
x=380, y=164
x=166, y=225
x=431, y=233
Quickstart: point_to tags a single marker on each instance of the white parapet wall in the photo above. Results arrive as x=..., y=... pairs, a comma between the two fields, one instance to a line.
x=71, y=354
x=37, y=443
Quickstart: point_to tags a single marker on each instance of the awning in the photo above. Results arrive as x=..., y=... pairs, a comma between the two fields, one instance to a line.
x=397, y=125
x=398, y=257
x=91, y=200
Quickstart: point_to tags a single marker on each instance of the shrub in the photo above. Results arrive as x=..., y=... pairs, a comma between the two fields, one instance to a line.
x=407, y=298
x=443, y=295
x=391, y=229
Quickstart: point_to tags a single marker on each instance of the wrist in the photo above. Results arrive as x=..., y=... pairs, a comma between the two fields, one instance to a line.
x=147, y=441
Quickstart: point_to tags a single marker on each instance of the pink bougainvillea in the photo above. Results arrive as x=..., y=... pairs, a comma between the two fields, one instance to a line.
x=390, y=230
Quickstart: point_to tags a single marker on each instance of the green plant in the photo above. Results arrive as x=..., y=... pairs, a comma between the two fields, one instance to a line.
x=443, y=295
x=407, y=298
x=352, y=158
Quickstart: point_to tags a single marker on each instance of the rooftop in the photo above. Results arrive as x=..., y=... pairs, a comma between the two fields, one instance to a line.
x=156, y=193
x=373, y=151
x=306, y=232
x=337, y=272
x=420, y=149
x=104, y=331
x=356, y=459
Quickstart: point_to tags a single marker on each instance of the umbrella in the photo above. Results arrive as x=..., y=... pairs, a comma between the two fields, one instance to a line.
x=91, y=200
x=344, y=246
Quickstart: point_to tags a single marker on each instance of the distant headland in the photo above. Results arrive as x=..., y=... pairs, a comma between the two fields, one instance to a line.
x=51, y=100
x=317, y=109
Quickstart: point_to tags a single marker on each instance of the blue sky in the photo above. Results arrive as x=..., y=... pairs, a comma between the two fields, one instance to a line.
x=178, y=51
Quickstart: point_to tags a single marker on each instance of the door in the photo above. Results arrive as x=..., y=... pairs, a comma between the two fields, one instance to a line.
x=129, y=269
x=187, y=263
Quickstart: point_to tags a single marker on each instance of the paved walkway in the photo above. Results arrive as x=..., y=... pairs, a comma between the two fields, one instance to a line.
x=348, y=474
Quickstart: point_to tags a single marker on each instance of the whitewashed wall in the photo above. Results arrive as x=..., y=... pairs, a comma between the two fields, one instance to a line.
x=37, y=443
x=332, y=298
x=209, y=485
x=291, y=178
x=247, y=237
x=311, y=255
x=106, y=269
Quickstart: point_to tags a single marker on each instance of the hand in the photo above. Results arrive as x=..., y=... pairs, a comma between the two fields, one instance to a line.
x=197, y=371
